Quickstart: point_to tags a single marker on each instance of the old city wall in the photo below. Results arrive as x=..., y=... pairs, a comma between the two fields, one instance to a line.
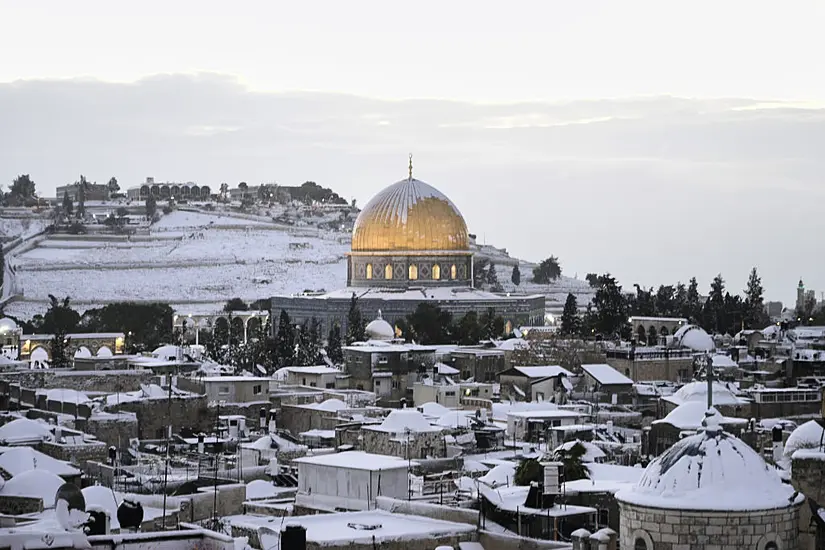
x=677, y=529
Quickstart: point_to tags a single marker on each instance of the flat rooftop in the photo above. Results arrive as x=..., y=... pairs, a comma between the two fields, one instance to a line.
x=367, y=526
x=357, y=460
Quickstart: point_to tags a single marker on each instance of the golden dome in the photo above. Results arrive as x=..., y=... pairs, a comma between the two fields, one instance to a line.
x=410, y=216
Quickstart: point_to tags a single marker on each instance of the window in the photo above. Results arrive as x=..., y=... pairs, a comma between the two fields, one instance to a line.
x=539, y=396
x=312, y=384
x=449, y=393
x=388, y=271
x=771, y=546
x=369, y=271
x=382, y=360
x=330, y=385
x=377, y=383
x=223, y=390
x=395, y=384
x=640, y=544
x=453, y=272
x=436, y=272
x=413, y=272
x=604, y=517
x=256, y=389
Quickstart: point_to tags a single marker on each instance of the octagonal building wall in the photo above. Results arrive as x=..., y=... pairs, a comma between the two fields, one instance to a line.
x=664, y=529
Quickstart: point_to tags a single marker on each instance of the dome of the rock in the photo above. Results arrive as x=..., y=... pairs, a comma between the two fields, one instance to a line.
x=410, y=216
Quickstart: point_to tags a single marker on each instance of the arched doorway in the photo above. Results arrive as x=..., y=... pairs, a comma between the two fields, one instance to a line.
x=236, y=330
x=104, y=351
x=220, y=335
x=82, y=352
x=254, y=329
x=39, y=358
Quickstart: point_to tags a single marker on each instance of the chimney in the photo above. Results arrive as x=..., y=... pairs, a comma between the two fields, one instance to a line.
x=200, y=444
x=777, y=443
x=262, y=419
x=580, y=539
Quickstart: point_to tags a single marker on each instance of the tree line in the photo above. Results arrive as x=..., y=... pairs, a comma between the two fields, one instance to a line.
x=720, y=312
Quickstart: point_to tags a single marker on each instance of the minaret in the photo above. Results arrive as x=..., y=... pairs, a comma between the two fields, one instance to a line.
x=800, y=296
x=410, y=168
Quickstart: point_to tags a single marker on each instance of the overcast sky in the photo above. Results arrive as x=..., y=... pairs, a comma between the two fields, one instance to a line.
x=657, y=140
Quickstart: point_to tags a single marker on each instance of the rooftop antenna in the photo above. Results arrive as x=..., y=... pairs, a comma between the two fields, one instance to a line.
x=410, y=167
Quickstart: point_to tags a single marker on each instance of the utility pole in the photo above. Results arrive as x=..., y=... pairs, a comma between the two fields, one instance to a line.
x=168, y=442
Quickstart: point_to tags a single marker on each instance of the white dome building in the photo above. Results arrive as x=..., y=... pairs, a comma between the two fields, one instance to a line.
x=703, y=486
x=379, y=330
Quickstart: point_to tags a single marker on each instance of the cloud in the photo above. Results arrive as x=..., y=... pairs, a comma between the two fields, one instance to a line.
x=654, y=189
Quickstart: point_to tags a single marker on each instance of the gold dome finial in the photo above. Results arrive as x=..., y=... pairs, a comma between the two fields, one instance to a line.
x=410, y=167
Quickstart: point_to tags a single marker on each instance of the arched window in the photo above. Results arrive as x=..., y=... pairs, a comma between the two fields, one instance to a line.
x=369, y=271
x=413, y=272
x=436, y=272
x=640, y=544
x=453, y=272
x=771, y=546
x=388, y=271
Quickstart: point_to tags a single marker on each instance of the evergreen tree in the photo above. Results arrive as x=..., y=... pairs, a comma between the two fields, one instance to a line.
x=644, y=304
x=480, y=267
x=468, y=330
x=355, y=323
x=492, y=279
x=679, y=299
x=610, y=306
x=304, y=348
x=82, y=186
x=664, y=301
x=285, y=341
x=68, y=207
x=713, y=312
x=334, y=351
x=755, y=315
x=22, y=191
x=492, y=325
x=430, y=324
x=693, y=306
x=59, y=320
x=113, y=187
x=571, y=458
x=515, y=277
x=151, y=207
x=548, y=270
x=570, y=321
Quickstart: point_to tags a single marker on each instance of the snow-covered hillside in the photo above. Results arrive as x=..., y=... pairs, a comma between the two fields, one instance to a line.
x=197, y=261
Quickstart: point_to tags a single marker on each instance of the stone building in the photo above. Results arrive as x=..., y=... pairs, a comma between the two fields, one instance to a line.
x=410, y=246
x=652, y=364
x=532, y=383
x=709, y=491
x=480, y=364
x=404, y=432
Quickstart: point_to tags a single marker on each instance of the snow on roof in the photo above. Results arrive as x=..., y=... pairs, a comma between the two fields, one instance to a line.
x=693, y=337
x=446, y=370
x=224, y=379
x=34, y=483
x=356, y=460
x=591, y=452
x=23, y=428
x=318, y=369
x=456, y=419
x=433, y=409
x=474, y=466
x=379, y=329
x=103, y=497
x=546, y=371
x=355, y=528
x=606, y=375
x=807, y=436
x=614, y=472
x=259, y=488
x=501, y=474
x=512, y=344
x=547, y=413
x=330, y=405
x=711, y=470
x=65, y=395
x=512, y=499
x=501, y=410
x=698, y=391
x=323, y=434
x=16, y=460
x=690, y=415
x=402, y=420
x=724, y=362
x=274, y=442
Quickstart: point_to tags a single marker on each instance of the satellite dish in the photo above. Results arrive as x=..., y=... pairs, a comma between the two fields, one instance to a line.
x=70, y=507
x=566, y=383
x=130, y=514
x=261, y=369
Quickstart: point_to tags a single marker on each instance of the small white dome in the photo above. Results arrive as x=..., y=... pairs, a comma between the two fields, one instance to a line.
x=694, y=337
x=379, y=329
x=7, y=325
x=34, y=483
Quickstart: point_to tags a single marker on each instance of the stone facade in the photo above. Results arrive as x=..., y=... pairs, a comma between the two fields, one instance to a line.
x=663, y=529
x=76, y=454
x=330, y=310
x=483, y=365
x=113, y=429
x=370, y=270
x=645, y=369
x=808, y=477
x=421, y=445
x=17, y=505
x=98, y=381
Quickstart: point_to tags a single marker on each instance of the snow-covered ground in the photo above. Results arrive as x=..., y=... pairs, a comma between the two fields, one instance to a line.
x=189, y=258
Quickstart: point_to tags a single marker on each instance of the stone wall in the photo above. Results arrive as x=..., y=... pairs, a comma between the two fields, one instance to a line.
x=642, y=370
x=421, y=445
x=113, y=429
x=99, y=381
x=808, y=477
x=76, y=454
x=299, y=419
x=498, y=541
x=695, y=530
x=199, y=506
x=153, y=415
x=15, y=506
x=251, y=410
